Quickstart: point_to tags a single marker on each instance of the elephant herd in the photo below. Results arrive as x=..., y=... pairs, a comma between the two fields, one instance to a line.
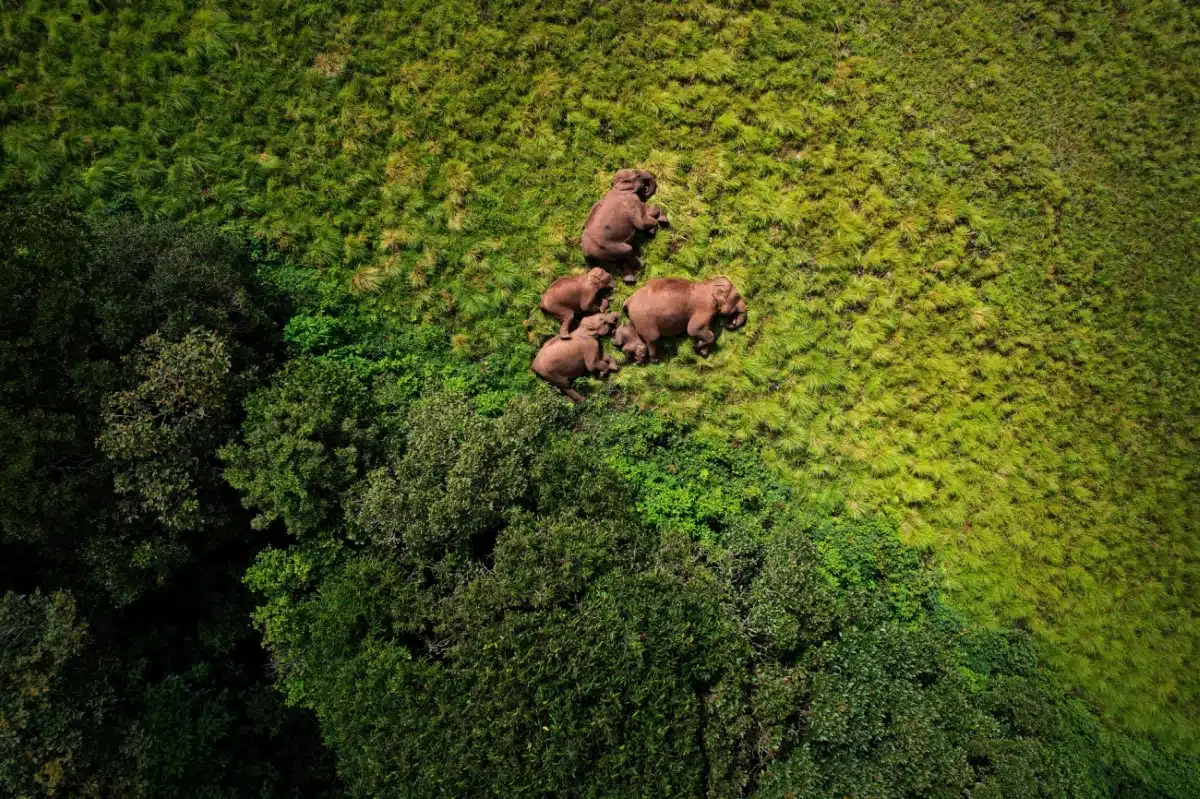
x=662, y=307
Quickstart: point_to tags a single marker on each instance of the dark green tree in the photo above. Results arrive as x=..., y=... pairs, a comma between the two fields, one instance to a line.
x=128, y=666
x=40, y=637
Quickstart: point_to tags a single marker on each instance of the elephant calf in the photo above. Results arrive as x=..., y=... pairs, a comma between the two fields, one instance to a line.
x=581, y=353
x=613, y=221
x=672, y=306
x=631, y=343
x=577, y=294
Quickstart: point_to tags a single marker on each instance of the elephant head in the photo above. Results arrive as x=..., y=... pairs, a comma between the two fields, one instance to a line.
x=599, y=278
x=728, y=302
x=630, y=342
x=599, y=324
x=636, y=180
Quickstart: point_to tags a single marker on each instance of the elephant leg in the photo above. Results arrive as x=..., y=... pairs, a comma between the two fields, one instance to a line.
x=704, y=337
x=649, y=334
x=564, y=385
x=595, y=361
x=630, y=266
x=620, y=253
x=563, y=314
x=652, y=217
x=617, y=250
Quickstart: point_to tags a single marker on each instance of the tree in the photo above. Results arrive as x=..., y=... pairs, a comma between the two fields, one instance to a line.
x=158, y=432
x=40, y=735
x=127, y=666
x=497, y=614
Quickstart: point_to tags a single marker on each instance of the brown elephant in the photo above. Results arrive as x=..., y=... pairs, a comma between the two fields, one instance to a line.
x=577, y=294
x=672, y=306
x=631, y=343
x=613, y=221
x=580, y=353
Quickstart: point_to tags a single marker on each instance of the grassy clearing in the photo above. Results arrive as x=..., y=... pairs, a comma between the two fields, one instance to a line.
x=967, y=236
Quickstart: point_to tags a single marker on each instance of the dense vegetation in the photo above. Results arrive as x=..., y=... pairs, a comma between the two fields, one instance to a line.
x=967, y=234
x=464, y=614
x=127, y=664
x=479, y=620
x=967, y=237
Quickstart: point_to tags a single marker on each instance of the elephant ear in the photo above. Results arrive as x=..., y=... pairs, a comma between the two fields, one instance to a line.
x=626, y=180
x=599, y=278
x=721, y=287
x=648, y=186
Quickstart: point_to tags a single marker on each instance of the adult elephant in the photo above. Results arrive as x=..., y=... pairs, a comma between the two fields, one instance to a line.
x=673, y=306
x=608, y=233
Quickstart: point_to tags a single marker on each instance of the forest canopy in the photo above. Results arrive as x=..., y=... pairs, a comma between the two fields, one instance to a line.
x=485, y=622
x=127, y=664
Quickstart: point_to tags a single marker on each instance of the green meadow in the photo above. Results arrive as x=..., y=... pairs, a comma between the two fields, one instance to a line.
x=966, y=233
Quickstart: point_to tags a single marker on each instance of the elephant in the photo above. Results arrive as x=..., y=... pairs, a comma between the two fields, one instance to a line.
x=612, y=222
x=580, y=353
x=671, y=306
x=631, y=343
x=577, y=294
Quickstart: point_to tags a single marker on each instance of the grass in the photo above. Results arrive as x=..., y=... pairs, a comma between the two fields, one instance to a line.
x=966, y=234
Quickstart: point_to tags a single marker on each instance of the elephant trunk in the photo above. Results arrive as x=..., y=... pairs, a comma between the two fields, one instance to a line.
x=739, y=316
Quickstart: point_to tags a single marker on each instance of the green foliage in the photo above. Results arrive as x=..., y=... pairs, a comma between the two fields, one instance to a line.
x=176, y=710
x=965, y=232
x=457, y=474
x=127, y=666
x=304, y=445
x=127, y=349
x=39, y=635
x=160, y=430
x=484, y=621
